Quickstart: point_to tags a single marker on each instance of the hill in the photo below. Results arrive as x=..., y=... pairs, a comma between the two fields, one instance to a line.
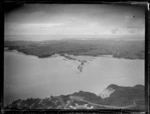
x=118, y=48
x=121, y=98
x=124, y=96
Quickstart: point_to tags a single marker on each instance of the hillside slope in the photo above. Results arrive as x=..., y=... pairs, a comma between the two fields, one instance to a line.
x=121, y=98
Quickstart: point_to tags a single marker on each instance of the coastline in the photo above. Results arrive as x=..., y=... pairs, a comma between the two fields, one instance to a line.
x=75, y=55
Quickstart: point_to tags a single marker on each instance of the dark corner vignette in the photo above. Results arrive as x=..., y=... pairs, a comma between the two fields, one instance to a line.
x=11, y=6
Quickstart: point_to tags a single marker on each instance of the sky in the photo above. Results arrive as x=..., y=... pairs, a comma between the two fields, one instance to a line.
x=56, y=21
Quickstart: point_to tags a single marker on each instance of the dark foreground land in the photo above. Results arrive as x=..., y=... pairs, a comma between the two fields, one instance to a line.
x=134, y=49
x=121, y=98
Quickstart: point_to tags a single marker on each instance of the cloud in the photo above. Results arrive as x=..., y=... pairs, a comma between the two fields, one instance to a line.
x=136, y=30
x=114, y=31
x=44, y=25
x=74, y=20
x=134, y=22
x=30, y=28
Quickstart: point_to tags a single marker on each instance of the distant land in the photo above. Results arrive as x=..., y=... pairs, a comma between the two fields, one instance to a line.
x=71, y=37
x=120, y=98
x=128, y=49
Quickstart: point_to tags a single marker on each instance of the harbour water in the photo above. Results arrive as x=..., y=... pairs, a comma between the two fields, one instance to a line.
x=28, y=76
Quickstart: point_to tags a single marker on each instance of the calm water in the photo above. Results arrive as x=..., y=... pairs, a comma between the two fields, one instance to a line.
x=28, y=76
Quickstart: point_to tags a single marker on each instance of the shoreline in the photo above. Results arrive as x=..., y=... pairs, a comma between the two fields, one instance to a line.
x=66, y=55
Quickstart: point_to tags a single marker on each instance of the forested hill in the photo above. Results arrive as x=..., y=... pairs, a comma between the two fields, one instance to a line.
x=128, y=49
x=121, y=98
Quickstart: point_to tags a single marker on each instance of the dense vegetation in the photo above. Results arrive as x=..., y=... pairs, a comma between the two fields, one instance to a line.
x=132, y=97
x=126, y=96
x=118, y=48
